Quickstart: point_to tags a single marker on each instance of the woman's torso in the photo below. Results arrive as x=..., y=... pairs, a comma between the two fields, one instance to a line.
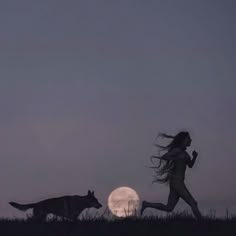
x=179, y=167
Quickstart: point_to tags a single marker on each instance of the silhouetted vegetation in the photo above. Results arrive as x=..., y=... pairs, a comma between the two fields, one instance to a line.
x=172, y=225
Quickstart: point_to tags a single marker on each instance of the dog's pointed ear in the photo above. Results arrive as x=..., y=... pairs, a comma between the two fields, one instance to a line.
x=89, y=192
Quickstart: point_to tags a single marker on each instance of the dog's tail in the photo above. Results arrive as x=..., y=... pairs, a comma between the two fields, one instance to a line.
x=22, y=207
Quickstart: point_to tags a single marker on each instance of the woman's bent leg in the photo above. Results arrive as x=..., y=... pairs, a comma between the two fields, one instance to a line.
x=187, y=197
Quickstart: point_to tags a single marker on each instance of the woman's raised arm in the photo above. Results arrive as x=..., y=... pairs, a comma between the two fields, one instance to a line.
x=192, y=161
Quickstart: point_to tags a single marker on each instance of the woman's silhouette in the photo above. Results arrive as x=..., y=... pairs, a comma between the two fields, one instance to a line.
x=173, y=165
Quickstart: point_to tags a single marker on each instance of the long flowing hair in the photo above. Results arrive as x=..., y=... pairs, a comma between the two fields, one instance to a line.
x=165, y=167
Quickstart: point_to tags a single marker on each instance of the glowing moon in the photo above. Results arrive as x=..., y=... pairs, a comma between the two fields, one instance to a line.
x=123, y=202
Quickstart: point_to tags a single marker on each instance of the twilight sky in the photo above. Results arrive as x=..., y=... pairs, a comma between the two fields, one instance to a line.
x=85, y=86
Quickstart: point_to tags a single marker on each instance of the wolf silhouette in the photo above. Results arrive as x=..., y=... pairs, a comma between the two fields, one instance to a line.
x=68, y=207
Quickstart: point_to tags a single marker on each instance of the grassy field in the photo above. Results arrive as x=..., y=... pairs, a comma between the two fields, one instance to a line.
x=175, y=225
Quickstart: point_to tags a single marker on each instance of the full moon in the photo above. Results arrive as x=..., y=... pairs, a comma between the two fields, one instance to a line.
x=123, y=202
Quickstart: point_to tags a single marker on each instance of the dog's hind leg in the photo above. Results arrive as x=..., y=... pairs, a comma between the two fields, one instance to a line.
x=39, y=214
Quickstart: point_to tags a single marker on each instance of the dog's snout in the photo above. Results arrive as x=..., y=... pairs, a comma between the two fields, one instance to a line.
x=99, y=205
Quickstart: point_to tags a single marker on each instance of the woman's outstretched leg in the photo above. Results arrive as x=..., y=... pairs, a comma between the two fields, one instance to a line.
x=171, y=203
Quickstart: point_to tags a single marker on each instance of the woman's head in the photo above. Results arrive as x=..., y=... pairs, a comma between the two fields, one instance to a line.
x=181, y=140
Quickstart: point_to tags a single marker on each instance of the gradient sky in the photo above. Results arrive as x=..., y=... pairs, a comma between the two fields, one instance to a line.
x=85, y=87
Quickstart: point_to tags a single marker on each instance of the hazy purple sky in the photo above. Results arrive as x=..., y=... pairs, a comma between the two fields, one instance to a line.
x=85, y=86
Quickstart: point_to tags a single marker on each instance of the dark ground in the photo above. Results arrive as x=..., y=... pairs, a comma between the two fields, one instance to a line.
x=179, y=226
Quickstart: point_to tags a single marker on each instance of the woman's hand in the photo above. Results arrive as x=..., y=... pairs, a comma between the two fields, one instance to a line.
x=195, y=154
x=191, y=163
